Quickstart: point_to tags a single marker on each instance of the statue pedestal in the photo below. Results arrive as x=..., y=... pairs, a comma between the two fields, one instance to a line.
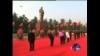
x=41, y=28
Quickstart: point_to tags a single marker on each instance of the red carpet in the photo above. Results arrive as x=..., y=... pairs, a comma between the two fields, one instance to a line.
x=43, y=48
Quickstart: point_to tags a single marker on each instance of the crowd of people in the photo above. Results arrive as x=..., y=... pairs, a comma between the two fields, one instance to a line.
x=64, y=35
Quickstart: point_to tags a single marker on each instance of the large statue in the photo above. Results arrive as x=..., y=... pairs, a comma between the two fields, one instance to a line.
x=41, y=26
x=41, y=11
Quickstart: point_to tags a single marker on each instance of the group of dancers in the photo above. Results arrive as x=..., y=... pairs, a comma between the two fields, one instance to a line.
x=65, y=36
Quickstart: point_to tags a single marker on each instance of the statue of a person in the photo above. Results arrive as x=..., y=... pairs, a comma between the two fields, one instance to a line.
x=41, y=11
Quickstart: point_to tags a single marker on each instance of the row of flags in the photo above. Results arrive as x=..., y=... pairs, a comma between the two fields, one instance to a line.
x=66, y=24
x=61, y=25
x=13, y=24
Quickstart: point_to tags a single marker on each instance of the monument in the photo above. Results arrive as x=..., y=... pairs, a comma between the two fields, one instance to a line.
x=41, y=26
x=41, y=11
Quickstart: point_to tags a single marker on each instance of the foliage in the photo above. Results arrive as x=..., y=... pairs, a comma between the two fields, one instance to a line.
x=51, y=23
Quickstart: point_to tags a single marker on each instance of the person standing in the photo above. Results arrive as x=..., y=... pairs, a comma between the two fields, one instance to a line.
x=51, y=37
x=31, y=39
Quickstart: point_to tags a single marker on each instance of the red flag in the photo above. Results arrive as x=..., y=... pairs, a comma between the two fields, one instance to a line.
x=21, y=24
x=58, y=25
x=79, y=23
x=72, y=24
x=61, y=25
x=66, y=24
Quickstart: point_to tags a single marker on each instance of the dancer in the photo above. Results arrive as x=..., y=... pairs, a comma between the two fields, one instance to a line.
x=63, y=37
x=61, y=34
x=20, y=32
x=67, y=36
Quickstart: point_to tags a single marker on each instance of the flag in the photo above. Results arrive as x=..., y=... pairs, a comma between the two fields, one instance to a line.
x=21, y=24
x=66, y=24
x=61, y=25
x=71, y=24
x=79, y=23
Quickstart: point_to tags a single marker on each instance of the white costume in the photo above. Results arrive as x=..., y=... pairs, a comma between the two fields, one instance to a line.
x=67, y=35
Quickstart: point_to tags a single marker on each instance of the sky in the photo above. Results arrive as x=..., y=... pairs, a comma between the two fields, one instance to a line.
x=74, y=10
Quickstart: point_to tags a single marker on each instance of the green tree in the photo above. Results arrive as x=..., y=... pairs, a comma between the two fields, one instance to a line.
x=33, y=22
x=69, y=22
x=51, y=23
x=20, y=20
x=62, y=20
x=55, y=22
x=15, y=19
x=75, y=26
x=25, y=22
